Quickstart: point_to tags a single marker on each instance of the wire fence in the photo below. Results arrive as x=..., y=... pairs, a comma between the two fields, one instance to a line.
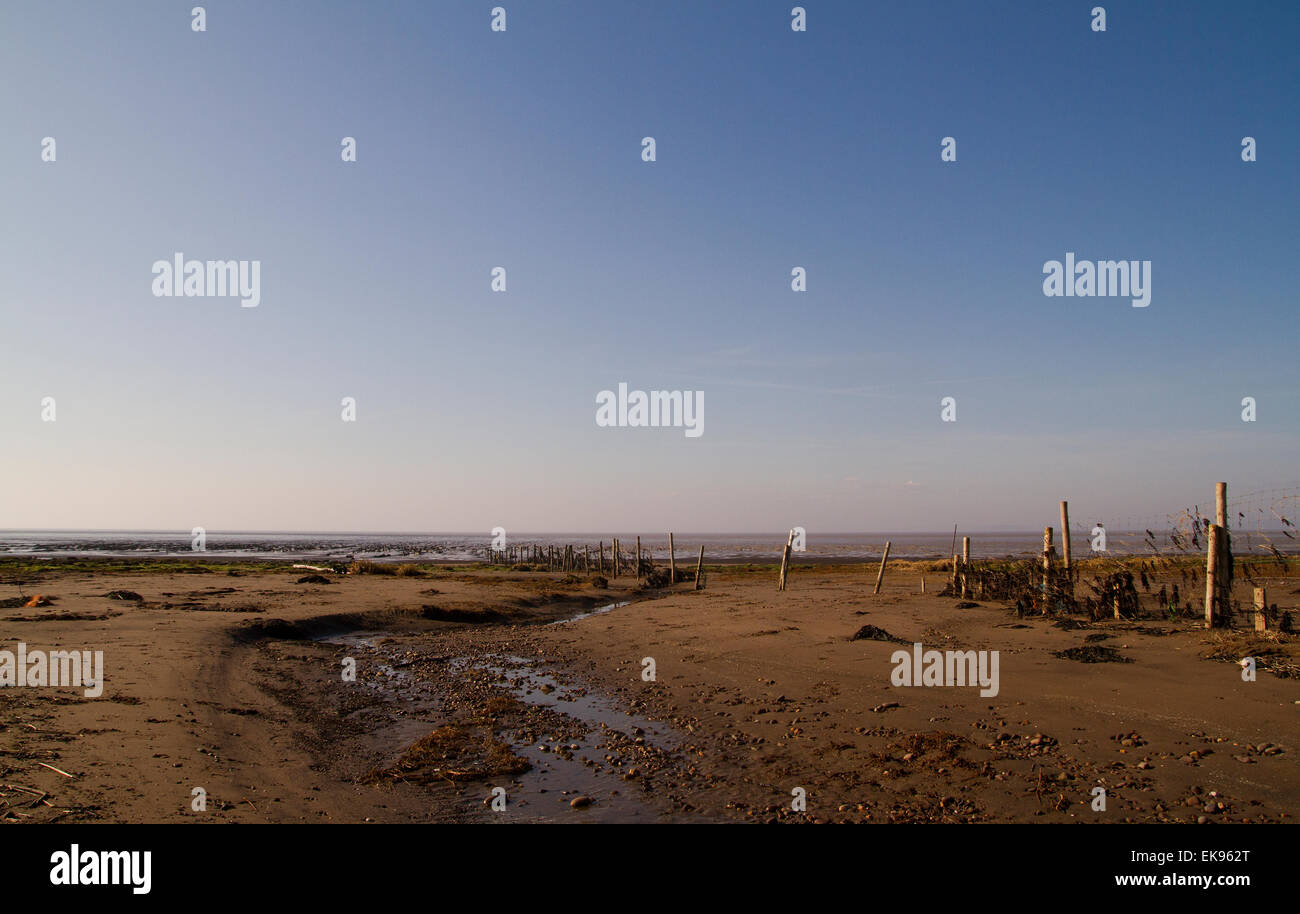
x=1260, y=523
x=1156, y=566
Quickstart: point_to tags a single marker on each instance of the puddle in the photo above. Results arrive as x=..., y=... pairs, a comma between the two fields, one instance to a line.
x=563, y=766
x=566, y=765
x=534, y=686
x=392, y=680
x=599, y=610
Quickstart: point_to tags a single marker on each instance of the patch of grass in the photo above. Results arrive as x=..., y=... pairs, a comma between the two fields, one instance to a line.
x=365, y=566
x=1273, y=651
x=26, y=570
x=1221, y=645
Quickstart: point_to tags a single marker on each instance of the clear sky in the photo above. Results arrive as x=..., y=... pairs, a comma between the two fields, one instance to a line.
x=522, y=149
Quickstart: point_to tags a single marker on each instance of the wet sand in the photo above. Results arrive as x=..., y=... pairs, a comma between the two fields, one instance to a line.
x=234, y=683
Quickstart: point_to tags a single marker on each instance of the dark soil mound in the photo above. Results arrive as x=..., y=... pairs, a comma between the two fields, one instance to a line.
x=1092, y=653
x=461, y=615
x=872, y=633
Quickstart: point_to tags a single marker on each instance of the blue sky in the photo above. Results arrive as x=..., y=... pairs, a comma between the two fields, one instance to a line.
x=522, y=149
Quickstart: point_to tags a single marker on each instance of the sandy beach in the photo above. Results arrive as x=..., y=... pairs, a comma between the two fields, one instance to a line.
x=232, y=679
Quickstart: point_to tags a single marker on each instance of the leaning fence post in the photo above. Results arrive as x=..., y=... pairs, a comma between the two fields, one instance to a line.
x=880, y=576
x=672, y=561
x=699, y=570
x=785, y=561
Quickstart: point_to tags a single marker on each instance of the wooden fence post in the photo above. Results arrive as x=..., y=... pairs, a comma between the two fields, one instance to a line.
x=785, y=561
x=1225, y=549
x=965, y=566
x=638, y=558
x=1049, y=552
x=880, y=576
x=672, y=561
x=1261, y=610
x=1212, y=543
x=699, y=570
x=1065, y=547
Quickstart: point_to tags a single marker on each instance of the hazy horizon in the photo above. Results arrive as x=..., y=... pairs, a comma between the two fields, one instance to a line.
x=525, y=534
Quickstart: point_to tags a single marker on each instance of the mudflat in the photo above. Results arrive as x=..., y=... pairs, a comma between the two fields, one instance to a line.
x=258, y=692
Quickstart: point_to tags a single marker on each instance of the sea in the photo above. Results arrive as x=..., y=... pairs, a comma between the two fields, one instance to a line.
x=472, y=547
